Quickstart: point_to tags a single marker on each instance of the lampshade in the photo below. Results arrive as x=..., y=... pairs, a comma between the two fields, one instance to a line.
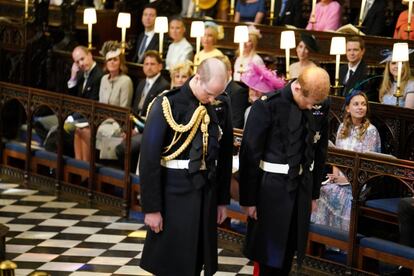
x=197, y=29
x=161, y=24
x=287, y=40
x=400, y=52
x=124, y=20
x=338, y=45
x=241, y=34
x=407, y=1
x=89, y=16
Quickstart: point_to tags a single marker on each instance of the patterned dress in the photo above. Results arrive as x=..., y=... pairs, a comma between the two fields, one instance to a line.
x=334, y=203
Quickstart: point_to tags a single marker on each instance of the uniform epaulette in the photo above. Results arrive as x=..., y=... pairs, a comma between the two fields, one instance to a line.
x=169, y=92
x=159, y=96
x=270, y=95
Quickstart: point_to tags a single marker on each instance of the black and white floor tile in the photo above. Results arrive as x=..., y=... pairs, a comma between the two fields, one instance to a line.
x=65, y=238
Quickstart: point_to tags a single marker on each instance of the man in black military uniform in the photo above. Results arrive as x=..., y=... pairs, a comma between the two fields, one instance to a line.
x=281, y=161
x=185, y=171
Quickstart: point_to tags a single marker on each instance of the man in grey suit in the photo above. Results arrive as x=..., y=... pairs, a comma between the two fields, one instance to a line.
x=147, y=89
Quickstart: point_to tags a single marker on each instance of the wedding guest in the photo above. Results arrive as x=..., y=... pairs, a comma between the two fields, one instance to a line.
x=250, y=11
x=355, y=133
x=180, y=49
x=389, y=84
x=115, y=89
x=180, y=73
x=306, y=46
x=212, y=33
x=327, y=16
x=250, y=55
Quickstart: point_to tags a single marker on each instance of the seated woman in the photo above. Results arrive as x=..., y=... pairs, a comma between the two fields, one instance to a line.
x=306, y=45
x=212, y=33
x=250, y=11
x=180, y=49
x=389, y=84
x=249, y=54
x=180, y=73
x=400, y=31
x=260, y=81
x=327, y=16
x=355, y=133
x=115, y=89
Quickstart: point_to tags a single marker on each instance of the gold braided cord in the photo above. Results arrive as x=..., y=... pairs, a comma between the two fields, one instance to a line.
x=199, y=115
x=166, y=107
x=174, y=141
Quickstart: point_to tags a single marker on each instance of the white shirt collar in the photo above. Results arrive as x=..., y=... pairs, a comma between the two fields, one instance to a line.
x=353, y=68
x=153, y=79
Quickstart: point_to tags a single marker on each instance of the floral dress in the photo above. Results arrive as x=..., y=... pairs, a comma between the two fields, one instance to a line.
x=334, y=204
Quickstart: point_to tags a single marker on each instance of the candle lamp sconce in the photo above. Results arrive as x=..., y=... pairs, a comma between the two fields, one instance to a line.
x=337, y=87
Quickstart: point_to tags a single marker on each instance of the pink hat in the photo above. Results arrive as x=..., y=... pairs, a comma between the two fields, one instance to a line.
x=259, y=78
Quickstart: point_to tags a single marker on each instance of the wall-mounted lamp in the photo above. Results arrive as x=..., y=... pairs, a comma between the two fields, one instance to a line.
x=197, y=31
x=338, y=48
x=399, y=55
x=89, y=17
x=287, y=42
x=161, y=27
x=123, y=22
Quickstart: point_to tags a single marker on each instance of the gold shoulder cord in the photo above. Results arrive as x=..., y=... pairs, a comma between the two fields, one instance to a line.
x=200, y=119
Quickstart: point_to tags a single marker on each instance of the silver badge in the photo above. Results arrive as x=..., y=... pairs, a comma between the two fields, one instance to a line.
x=317, y=137
x=311, y=166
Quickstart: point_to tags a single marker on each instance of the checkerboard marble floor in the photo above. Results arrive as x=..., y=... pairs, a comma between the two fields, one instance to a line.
x=65, y=238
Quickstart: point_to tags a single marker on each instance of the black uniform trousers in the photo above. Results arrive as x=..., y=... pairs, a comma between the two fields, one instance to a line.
x=265, y=270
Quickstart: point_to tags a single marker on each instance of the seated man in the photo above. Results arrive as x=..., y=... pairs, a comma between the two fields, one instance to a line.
x=147, y=89
x=356, y=70
x=84, y=82
x=146, y=40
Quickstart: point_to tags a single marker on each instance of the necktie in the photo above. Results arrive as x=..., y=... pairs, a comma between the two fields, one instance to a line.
x=368, y=5
x=143, y=96
x=351, y=73
x=142, y=47
x=85, y=80
x=283, y=7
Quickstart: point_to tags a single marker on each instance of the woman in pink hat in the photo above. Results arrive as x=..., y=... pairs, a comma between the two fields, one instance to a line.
x=260, y=81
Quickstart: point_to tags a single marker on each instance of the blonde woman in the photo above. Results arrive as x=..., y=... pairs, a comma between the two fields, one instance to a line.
x=389, y=85
x=180, y=73
x=249, y=54
x=212, y=33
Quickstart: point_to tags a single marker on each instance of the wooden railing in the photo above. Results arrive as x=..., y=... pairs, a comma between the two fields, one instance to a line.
x=363, y=168
x=62, y=106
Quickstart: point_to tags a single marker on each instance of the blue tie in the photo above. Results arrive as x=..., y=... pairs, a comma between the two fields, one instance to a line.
x=283, y=7
x=142, y=48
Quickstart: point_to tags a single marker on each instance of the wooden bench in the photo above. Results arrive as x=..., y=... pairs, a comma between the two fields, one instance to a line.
x=385, y=251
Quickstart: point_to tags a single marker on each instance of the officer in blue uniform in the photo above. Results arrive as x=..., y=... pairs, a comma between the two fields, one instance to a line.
x=185, y=170
x=282, y=157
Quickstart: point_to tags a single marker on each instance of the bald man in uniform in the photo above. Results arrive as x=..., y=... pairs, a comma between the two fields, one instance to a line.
x=282, y=157
x=185, y=170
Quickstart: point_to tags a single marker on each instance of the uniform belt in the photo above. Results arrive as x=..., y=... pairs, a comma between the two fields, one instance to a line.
x=179, y=164
x=276, y=168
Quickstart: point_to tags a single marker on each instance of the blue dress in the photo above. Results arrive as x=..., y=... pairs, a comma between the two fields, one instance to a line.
x=334, y=203
x=389, y=98
x=248, y=11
